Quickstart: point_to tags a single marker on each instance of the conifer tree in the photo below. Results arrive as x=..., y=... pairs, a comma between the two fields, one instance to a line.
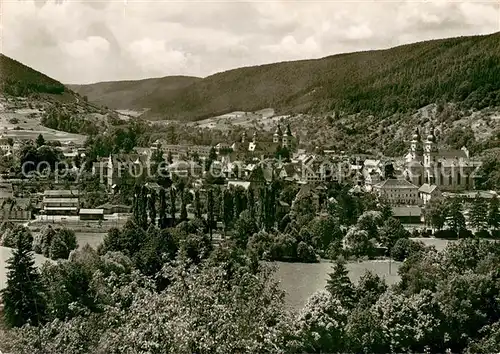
x=163, y=209
x=340, y=286
x=152, y=206
x=183, y=215
x=197, y=204
x=494, y=214
x=210, y=212
x=227, y=208
x=23, y=297
x=40, y=140
x=173, y=209
x=240, y=201
x=456, y=218
x=251, y=203
x=262, y=207
x=479, y=213
x=144, y=208
x=136, y=204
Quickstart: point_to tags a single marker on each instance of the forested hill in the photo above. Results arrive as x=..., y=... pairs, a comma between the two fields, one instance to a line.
x=17, y=79
x=133, y=94
x=465, y=69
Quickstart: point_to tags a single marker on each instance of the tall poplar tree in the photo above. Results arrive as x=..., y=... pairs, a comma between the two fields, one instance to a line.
x=163, y=209
x=456, y=218
x=251, y=203
x=173, y=209
x=494, y=214
x=210, y=211
x=152, y=206
x=144, y=208
x=479, y=213
x=197, y=204
x=227, y=208
x=183, y=216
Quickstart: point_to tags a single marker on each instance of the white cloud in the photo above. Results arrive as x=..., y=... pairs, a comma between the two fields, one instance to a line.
x=154, y=56
x=91, y=47
x=85, y=41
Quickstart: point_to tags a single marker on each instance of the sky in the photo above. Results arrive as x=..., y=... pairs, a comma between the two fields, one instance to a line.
x=87, y=41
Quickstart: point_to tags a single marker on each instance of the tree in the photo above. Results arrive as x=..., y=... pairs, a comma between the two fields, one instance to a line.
x=63, y=242
x=435, y=213
x=210, y=212
x=197, y=204
x=305, y=253
x=251, y=203
x=42, y=241
x=23, y=296
x=173, y=209
x=227, y=208
x=163, y=209
x=340, y=286
x=324, y=230
x=152, y=206
x=456, y=218
x=404, y=248
x=183, y=215
x=478, y=214
x=11, y=235
x=143, y=207
x=40, y=141
x=321, y=324
x=369, y=289
x=244, y=227
x=494, y=214
x=358, y=242
x=170, y=159
x=391, y=232
x=157, y=160
x=212, y=156
x=370, y=221
x=240, y=201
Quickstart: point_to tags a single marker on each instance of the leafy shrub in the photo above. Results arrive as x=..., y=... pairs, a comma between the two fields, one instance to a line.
x=62, y=243
x=404, y=248
x=482, y=234
x=305, y=253
x=10, y=236
x=446, y=234
x=465, y=233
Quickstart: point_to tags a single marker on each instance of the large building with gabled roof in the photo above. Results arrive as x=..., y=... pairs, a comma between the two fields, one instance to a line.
x=397, y=192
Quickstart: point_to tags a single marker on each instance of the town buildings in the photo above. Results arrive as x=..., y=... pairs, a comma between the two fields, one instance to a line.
x=397, y=192
x=449, y=170
x=60, y=202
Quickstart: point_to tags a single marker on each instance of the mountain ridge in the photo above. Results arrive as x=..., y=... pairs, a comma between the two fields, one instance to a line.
x=383, y=82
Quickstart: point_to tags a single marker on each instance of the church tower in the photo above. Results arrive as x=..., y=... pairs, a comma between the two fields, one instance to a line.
x=243, y=137
x=416, y=147
x=287, y=138
x=277, y=135
x=254, y=140
x=430, y=149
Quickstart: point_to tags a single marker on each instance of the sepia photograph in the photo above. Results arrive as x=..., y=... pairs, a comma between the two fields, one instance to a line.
x=249, y=176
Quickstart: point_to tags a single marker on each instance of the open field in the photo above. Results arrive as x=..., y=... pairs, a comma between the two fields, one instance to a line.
x=93, y=239
x=301, y=280
x=28, y=120
x=263, y=119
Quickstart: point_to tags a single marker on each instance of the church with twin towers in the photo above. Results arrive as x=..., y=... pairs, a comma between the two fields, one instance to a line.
x=427, y=163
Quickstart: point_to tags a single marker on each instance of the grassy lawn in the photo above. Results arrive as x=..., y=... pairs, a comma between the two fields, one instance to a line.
x=301, y=280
